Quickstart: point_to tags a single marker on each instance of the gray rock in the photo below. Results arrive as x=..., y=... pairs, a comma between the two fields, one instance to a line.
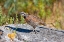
x=24, y=33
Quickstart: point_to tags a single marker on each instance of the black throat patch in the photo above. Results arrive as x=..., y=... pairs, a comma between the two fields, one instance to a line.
x=24, y=16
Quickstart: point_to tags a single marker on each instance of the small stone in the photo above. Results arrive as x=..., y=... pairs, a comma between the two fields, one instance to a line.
x=1, y=32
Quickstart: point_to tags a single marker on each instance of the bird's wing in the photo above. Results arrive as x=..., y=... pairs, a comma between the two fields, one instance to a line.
x=37, y=20
x=34, y=18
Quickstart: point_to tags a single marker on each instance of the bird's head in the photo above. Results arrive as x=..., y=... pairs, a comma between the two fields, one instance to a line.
x=23, y=14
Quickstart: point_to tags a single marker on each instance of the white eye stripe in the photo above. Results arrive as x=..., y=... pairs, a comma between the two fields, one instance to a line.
x=23, y=13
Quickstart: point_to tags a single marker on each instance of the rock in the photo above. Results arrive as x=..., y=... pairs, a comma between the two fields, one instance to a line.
x=24, y=33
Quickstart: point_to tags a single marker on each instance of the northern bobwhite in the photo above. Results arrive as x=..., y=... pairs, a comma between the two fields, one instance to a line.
x=32, y=20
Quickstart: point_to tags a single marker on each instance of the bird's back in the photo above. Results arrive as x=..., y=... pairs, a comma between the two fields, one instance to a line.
x=33, y=20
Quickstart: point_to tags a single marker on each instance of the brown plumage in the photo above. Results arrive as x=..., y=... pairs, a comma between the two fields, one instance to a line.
x=32, y=20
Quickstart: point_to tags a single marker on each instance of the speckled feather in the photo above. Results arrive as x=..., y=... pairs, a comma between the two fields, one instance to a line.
x=32, y=20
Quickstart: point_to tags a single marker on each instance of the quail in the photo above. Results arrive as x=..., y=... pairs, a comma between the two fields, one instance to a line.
x=32, y=20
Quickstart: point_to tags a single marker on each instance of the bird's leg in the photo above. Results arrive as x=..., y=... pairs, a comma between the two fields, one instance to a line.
x=34, y=31
x=0, y=36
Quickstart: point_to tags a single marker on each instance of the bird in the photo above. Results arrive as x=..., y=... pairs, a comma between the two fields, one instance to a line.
x=32, y=20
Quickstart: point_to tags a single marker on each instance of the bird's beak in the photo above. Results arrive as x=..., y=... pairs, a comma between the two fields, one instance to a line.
x=19, y=13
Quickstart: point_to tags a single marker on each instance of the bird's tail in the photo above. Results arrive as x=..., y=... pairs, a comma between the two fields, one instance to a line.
x=42, y=23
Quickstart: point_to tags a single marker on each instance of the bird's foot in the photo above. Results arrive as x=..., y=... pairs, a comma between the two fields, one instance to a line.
x=35, y=31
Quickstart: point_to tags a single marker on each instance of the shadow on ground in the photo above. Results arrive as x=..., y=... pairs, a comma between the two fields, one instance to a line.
x=21, y=29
